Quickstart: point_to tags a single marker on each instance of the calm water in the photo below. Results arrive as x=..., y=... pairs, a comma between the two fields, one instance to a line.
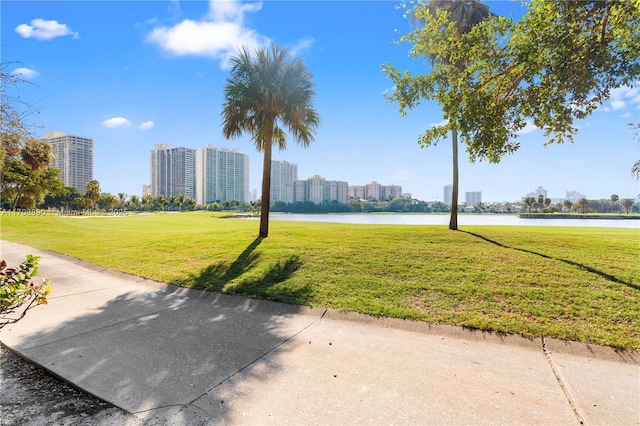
x=443, y=219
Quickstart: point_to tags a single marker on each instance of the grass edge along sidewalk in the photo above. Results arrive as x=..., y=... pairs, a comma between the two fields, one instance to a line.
x=580, y=284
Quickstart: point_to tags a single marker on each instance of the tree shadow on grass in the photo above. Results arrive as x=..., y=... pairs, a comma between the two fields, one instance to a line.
x=217, y=276
x=602, y=274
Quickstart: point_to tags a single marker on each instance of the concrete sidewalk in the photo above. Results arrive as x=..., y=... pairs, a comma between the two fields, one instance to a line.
x=185, y=357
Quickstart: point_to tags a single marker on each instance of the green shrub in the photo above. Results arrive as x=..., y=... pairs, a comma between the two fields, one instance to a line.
x=17, y=290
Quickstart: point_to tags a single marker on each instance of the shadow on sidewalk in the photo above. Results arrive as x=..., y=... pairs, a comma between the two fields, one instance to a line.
x=157, y=352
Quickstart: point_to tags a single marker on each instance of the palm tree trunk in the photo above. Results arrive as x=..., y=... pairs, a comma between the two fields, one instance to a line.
x=453, y=221
x=266, y=186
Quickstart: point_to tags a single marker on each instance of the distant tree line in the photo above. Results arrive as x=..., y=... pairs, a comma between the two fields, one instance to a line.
x=611, y=205
x=400, y=205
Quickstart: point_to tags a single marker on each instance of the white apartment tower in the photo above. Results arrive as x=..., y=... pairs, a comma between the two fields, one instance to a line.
x=473, y=198
x=173, y=171
x=221, y=175
x=318, y=190
x=73, y=155
x=447, y=194
x=283, y=174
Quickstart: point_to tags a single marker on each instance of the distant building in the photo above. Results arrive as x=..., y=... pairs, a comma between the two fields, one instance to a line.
x=318, y=190
x=374, y=191
x=540, y=191
x=173, y=171
x=575, y=196
x=73, y=155
x=283, y=174
x=391, y=192
x=473, y=198
x=357, y=192
x=221, y=175
x=447, y=194
x=146, y=190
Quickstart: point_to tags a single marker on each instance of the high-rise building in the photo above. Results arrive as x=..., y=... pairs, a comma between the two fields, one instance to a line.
x=173, y=171
x=391, y=192
x=221, y=175
x=357, y=192
x=73, y=155
x=374, y=191
x=540, y=191
x=282, y=174
x=473, y=198
x=318, y=190
x=447, y=194
x=575, y=196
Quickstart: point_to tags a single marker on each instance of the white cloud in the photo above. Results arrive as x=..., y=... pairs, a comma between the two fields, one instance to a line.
x=114, y=122
x=618, y=105
x=528, y=128
x=621, y=97
x=25, y=73
x=442, y=123
x=626, y=115
x=147, y=125
x=301, y=45
x=41, y=29
x=219, y=35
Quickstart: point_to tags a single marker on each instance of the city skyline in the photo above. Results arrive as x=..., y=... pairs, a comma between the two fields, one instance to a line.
x=159, y=78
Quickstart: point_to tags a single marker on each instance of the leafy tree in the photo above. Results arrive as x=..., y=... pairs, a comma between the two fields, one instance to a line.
x=36, y=155
x=567, y=205
x=92, y=194
x=555, y=65
x=581, y=205
x=627, y=203
x=68, y=198
x=15, y=113
x=266, y=92
x=446, y=28
x=42, y=183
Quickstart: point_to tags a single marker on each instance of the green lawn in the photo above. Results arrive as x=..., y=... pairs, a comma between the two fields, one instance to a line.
x=570, y=283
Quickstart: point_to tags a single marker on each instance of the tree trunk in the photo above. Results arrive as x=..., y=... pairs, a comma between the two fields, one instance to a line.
x=453, y=221
x=20, y=191
x=266, y=187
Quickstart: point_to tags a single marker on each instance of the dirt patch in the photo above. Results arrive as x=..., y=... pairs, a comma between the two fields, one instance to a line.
x=30, y=395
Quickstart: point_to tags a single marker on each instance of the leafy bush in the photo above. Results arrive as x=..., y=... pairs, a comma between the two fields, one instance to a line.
x=17, y=290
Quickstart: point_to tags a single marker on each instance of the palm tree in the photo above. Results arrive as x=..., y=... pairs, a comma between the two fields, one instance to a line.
x=266, y=92
x=92, y=193
x=179, y=200
x=134, y=202
x=464, y=14
x=147, y=201
x=122, y=198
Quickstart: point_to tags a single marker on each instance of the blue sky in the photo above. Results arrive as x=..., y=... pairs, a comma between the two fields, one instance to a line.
x=134, y=74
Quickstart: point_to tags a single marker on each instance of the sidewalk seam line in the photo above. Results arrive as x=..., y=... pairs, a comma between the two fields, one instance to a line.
x=241, y=369
x=563, y=386
x=95, y=329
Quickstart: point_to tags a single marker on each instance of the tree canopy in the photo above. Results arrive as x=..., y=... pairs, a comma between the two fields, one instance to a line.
x=555, y=65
